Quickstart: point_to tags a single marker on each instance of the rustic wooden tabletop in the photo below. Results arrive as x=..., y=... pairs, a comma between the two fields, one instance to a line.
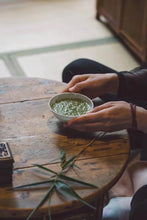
x=35, y=136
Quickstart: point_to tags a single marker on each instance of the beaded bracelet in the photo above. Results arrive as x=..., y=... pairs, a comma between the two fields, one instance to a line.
x=133, y=111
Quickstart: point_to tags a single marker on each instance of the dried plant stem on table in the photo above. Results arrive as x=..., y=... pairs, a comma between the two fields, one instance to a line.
x=58, y=180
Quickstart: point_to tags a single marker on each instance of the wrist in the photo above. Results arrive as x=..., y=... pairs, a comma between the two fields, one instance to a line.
x=113, y=83
x=141, y=117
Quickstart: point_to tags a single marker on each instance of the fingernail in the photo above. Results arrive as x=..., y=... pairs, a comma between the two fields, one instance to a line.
x=71, y=89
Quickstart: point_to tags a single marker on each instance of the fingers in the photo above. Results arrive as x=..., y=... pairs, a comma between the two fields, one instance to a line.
x=98, y=114
x=111, y=116
x=93, y=127
x=102, y=107
x=83, y=119
x=78, y=87
x=76, y=84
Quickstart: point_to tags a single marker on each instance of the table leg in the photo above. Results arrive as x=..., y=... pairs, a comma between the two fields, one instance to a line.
x=99, y=210
x=97, y=9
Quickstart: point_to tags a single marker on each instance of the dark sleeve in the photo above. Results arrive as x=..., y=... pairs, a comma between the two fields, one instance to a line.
x=139, y=204
x=133, y=85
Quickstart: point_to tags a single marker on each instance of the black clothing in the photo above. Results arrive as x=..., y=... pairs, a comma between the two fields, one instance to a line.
x=139, y=204
x=133, y=85
x=83, y=66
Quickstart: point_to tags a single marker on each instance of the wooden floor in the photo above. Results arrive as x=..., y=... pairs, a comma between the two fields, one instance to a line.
x=39, y=38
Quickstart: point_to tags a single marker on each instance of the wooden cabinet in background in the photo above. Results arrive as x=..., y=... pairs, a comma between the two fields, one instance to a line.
x=128, y=19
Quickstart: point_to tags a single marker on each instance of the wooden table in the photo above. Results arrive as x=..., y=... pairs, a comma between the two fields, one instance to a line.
x=35, y=136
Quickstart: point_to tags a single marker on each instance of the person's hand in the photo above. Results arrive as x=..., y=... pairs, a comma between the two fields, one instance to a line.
x=111, y=116
x=141, y=118
x=93, y=85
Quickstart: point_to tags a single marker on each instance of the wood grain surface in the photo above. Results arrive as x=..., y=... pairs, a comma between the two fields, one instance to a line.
x=35, y=136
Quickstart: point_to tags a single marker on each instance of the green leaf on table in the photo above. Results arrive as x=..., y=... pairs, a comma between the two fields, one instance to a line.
x=61, y=176
x=66, y=190
x=63, y=156
x=41, y=202
x=68, y=163
x=74, y=165
x=31, y=184
x=44, y=168
x=58, y=184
